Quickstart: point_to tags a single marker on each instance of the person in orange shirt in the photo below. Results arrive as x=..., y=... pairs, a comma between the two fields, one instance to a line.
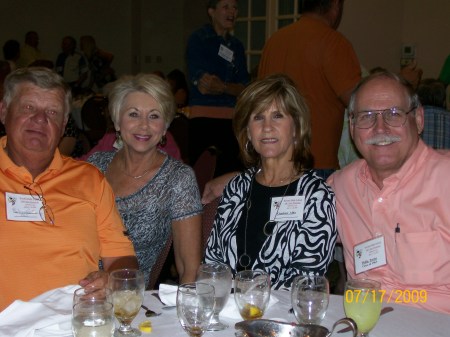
x=57, y=215
x=392, y=206
x=325, y=69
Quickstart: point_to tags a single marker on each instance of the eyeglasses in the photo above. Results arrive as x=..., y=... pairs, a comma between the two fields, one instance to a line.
x=393, y=117
x=45, y=212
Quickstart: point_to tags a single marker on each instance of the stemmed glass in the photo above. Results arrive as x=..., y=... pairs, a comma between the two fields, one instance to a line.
x=310, y=295
x=195, y=307
x=362, y=303
x=219, y=275
x=127, y=286
x=252, y=293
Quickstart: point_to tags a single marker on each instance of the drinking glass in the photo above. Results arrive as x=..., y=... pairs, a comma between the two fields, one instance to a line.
x=127, y=286
x=91, y=318
x=90, y=293
x=252, y=293
x=310, y=295
x=362, y=303
x=195, y=307
x=219, y=275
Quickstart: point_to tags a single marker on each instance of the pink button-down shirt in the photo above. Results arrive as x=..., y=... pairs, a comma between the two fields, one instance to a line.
x=417, y=198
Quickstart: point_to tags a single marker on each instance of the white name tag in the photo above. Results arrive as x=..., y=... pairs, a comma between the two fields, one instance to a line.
x=22, y=207
x=287, y=208
x=226, y=53
x=369, y=255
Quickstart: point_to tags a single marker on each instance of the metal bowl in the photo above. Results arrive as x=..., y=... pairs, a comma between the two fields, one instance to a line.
x=269, y=328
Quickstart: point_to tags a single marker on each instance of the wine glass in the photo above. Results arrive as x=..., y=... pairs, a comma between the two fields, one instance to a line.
x=127, y=286
x=93, y=317
x=219, y=275
x=252, y=293
x=362, y=303
x=310, y=295
x=195, y=307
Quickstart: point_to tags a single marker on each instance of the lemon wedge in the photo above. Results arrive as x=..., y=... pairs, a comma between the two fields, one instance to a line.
x=145, y=326
x=251, y=312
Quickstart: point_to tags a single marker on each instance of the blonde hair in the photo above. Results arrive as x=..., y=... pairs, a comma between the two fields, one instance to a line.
x=150, y=84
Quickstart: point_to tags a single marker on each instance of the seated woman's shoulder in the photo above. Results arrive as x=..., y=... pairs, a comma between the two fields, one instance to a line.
x=100, y=156
x=177, y=166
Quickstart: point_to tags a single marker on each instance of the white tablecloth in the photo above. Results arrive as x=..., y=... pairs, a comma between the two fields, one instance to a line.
x=402, y=322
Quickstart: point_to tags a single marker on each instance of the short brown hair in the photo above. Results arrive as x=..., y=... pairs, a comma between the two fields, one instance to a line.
x=257, y=97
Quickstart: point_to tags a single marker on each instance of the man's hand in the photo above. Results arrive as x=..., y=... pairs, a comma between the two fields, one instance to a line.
x=99, y=279
x=211, y=85
x=214, y=188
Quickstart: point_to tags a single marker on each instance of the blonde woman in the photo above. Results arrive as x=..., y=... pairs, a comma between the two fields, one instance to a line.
x=155, y=194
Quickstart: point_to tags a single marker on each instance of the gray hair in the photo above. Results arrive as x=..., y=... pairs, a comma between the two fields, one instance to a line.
x=41, y=77
x=150, y=84
x=411, y=93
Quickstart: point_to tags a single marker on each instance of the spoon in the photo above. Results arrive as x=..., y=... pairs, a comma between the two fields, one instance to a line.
x=385, y=310
x=149, y=312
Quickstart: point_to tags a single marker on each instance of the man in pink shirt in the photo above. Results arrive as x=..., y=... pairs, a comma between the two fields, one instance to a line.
x=393, y=205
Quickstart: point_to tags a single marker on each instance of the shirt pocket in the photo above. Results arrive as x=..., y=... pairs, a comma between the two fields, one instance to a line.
x=421, y=258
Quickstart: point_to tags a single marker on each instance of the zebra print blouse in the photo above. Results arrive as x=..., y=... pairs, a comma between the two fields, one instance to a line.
x=295, y=247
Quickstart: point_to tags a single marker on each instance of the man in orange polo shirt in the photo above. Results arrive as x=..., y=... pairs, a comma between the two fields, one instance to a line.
x=325, y=69
x=392, y=206
x=57, y=215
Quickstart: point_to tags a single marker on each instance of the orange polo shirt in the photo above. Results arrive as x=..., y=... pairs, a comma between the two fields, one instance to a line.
x=323, y=65
x=416, y=198
x=36, y=256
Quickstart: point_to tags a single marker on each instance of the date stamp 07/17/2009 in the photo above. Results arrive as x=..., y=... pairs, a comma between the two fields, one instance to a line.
x=390, y=296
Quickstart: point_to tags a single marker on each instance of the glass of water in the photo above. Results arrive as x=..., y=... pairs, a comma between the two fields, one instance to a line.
x=195, y=307
x=219, y=275
x=310, y=295
x=90, y=293
x=92, y=318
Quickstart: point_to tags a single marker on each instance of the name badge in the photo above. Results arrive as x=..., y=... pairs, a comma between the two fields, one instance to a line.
x=369, y=255
x=22, y=207
x=287, y=208
x=226, y=53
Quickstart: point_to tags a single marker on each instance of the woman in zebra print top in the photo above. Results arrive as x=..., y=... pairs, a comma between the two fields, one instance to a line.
x=278, y=215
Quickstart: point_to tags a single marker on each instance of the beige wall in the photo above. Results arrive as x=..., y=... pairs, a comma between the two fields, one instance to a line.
x=138, y=31
x=379, y=28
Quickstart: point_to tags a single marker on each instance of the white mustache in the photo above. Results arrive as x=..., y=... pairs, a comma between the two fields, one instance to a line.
x=383, y=140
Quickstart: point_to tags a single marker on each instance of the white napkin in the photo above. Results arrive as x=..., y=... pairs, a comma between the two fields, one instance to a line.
x=168, y=294
x=48, y=315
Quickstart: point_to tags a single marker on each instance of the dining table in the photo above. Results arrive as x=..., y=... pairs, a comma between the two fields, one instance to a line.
x=49, y=315
x=403, y=321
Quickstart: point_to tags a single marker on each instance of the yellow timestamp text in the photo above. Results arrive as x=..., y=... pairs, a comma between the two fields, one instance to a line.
x=391, y=296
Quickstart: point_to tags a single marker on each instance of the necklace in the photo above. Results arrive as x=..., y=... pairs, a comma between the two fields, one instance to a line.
x=281, y=181
x=244, y=260
x=135, y=177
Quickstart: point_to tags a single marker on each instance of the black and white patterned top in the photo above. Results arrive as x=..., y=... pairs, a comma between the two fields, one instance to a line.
x=172, y=194
x=295, y=247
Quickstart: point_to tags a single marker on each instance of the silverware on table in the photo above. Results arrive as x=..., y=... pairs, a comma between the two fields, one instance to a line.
x=149, y=312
